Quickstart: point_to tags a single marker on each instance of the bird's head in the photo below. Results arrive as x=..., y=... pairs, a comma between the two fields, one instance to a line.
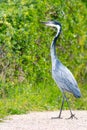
x=53, y=24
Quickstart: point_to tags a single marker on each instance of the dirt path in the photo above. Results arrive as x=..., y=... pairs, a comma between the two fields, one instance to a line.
x=43, y=121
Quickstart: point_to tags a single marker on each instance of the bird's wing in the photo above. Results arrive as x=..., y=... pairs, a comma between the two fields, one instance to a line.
x=64, y=78
x=68, y=82
x=66, y=74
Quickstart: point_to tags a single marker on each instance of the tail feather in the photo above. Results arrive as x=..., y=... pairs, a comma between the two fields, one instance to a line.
x=77, y=93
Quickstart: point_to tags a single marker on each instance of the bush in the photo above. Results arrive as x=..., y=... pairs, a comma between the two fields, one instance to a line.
x=25, y=42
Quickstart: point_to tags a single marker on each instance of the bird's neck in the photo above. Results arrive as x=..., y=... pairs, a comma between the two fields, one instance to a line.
x=53, y=47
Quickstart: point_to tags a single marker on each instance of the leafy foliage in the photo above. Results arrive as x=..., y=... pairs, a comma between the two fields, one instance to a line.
x=25, y=44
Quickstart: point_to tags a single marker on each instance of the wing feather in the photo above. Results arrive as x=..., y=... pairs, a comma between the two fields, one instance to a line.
x=64, y=79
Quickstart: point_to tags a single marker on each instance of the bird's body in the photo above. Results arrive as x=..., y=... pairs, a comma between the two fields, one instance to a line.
x=64, y=79
x=60, y=73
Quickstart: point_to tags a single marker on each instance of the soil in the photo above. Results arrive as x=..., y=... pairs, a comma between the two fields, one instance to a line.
x=44, y=121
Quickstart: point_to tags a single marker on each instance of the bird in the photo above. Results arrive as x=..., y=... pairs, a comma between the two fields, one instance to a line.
x=61, y=74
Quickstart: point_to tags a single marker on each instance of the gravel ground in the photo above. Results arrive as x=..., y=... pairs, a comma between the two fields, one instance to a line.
x=43, y=121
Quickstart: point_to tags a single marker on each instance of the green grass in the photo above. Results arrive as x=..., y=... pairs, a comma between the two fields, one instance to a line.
x=25, y=98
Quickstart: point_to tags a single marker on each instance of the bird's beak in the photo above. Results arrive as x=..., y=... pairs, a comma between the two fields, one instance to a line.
x=46, y=23
x=49, y=23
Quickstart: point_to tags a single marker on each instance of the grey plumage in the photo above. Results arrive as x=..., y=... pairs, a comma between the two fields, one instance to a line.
x=60, y=73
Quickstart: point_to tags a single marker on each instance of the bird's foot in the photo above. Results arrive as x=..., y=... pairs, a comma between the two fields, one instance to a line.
x=72, y=116
x=58, y=117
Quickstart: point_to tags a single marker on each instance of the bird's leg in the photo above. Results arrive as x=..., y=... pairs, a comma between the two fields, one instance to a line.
x=72, y=115
x=61, y=108
x=59, y=117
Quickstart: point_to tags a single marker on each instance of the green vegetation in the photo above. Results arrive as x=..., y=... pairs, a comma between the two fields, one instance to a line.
x=25, y=65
